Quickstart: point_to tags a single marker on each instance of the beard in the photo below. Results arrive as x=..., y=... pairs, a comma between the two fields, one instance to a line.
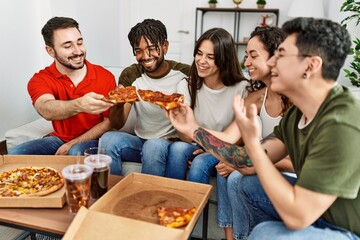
x=66, y=62
x=158, y=62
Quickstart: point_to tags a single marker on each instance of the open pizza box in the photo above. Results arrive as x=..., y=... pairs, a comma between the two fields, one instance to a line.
x=54, y=200
x=128, y=210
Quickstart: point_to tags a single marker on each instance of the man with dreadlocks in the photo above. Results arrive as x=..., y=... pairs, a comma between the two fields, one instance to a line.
x=153, y=131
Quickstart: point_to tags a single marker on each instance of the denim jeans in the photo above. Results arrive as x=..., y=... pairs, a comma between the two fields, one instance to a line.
x=224, y=205
x=278, y=230
x=258, y=218
x=125, y=147
x=202, y=168
x=48, y=146
x=179, y=154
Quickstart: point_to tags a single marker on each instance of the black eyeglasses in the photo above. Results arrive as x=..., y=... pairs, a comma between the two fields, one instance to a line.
x=278, y=55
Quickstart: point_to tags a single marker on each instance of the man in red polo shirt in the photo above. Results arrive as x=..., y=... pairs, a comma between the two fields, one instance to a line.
x=68, y=93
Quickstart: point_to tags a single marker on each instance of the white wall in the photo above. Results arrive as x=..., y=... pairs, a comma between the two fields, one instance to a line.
x=104, y=25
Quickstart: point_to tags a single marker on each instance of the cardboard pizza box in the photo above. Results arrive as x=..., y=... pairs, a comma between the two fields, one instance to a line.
x=129, y=209
x=53, y=200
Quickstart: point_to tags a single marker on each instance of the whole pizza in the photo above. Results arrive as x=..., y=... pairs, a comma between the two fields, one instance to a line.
x=30, y=181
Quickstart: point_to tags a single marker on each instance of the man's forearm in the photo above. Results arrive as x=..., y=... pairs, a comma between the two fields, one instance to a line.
x=225, y=152
x=94, y=133
x=53, y=110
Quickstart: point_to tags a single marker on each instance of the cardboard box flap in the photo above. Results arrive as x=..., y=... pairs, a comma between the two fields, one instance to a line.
x=42, y=160
x=90, y=224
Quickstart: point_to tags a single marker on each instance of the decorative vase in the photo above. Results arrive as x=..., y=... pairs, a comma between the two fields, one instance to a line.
x=261, y=6
x=212, y=5
x=237, y=2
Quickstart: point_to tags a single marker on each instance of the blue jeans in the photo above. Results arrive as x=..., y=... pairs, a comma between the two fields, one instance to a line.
x=225, y=216
x=48, y=146
x=125, y=147
x=258, y=218
x=179, y=154
x=202, y=166
x=278, y=230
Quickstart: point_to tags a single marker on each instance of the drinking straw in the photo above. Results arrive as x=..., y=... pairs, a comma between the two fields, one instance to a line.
x=78, y=158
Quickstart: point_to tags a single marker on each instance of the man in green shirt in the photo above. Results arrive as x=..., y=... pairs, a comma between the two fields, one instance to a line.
x=321, y=133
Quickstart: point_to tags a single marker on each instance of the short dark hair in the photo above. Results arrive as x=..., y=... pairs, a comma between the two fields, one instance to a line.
x=323, y=38
x=56, y=23
x=151, y=29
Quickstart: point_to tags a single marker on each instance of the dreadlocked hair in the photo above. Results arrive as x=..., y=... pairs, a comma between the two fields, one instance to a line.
x=153, y=31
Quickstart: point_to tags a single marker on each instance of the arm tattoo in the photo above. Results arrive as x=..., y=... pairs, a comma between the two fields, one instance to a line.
x=235, y=155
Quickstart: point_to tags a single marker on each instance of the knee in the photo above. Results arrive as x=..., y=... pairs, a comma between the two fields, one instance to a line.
x=156, y=144
x=267, y=230
x=113, y=140
x=155, y=147
x=179, y=147
x=75, y=151
x=233, y=180
x=248, y=184
x=107, y=137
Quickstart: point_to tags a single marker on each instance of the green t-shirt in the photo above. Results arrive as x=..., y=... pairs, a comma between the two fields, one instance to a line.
x=326, y=154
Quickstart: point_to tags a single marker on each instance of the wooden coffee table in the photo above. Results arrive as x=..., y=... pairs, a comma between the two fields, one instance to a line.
x=47, y=221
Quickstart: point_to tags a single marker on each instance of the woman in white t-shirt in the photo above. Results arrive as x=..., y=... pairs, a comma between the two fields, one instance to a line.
x=215, y=79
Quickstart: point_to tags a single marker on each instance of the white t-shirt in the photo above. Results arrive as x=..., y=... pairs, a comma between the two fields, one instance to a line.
x=151, y=121
x=213, y=108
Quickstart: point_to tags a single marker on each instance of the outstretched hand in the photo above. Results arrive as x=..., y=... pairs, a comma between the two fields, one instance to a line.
x=183, y=120
x=92, y=103
x=246, y=120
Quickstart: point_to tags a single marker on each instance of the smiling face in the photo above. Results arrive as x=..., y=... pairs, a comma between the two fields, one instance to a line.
x=256, y=57
x=205, y=60
x=149, y=56
x=69, y=50
x=287, y=67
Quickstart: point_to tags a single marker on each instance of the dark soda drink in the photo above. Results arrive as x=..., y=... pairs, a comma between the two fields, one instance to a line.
x=99, y=182
x=100, y=176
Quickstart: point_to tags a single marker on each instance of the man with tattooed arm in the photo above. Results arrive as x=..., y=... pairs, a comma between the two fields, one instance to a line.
x=320, y=133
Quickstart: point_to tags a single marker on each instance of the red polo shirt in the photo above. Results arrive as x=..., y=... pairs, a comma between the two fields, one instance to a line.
x=51, y=81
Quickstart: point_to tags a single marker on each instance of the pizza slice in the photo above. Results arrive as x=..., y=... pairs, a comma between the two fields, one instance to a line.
x=175, y=217
x=122, y=95
x=166, y=101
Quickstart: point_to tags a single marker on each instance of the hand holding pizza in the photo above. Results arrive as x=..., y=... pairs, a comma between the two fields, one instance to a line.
x=183, y=120
x=92, y=103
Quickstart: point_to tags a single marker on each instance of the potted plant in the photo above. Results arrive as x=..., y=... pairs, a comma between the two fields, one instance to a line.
x=212, y=3
x=354, y=74
x=261, y=4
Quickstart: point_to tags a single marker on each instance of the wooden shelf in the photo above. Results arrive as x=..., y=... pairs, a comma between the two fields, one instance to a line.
x=201, y=11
